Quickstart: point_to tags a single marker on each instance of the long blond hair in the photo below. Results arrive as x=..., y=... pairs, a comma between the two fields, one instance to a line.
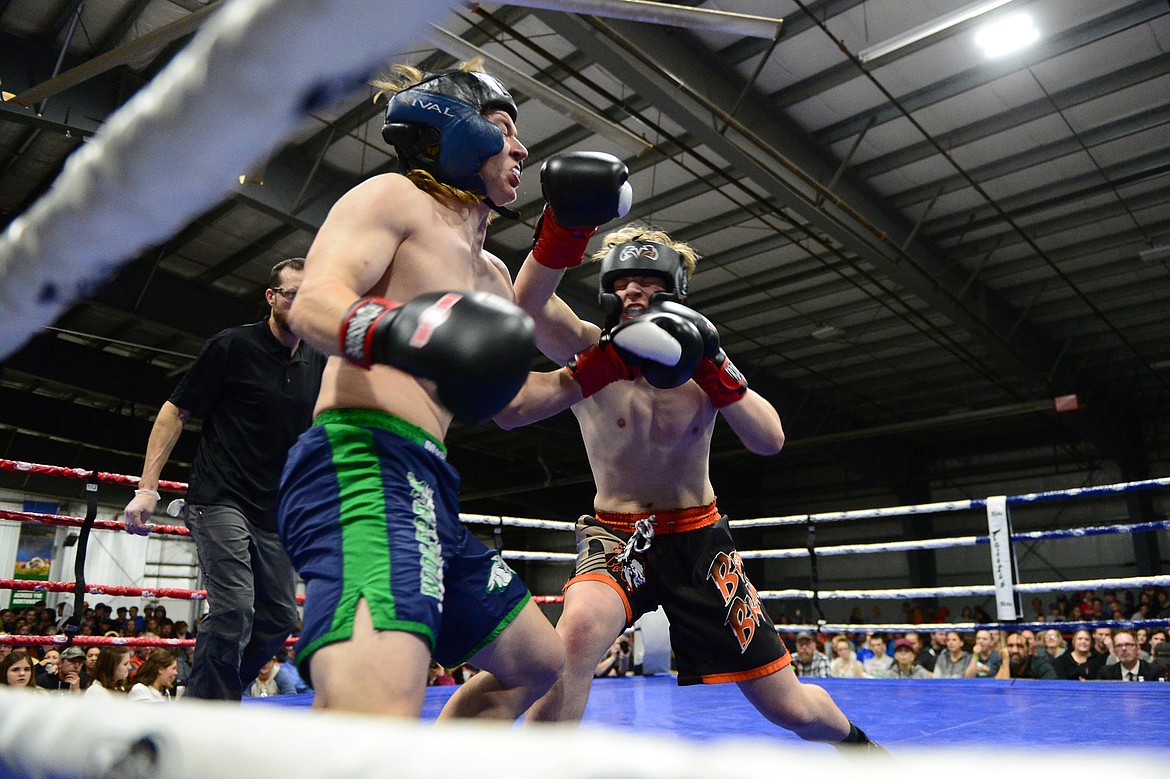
x=402, y=77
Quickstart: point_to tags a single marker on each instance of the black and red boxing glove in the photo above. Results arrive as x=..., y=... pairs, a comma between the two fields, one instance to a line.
x=476, y=347
x=716, y=373
x=582, y=190
x=720, y=379
x=602, y=364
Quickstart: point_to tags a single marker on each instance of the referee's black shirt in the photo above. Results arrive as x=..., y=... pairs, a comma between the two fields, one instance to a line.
x=254, y=397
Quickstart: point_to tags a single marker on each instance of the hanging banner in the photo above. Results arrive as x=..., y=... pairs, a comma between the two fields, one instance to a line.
x=34, y=553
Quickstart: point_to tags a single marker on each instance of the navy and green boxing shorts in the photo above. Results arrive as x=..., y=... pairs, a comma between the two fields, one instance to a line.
x=369, y=509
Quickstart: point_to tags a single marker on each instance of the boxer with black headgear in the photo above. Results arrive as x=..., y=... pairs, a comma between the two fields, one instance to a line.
x=421, y=330
x=655, y=536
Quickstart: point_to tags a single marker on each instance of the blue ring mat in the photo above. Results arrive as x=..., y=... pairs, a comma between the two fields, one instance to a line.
x=920, y=713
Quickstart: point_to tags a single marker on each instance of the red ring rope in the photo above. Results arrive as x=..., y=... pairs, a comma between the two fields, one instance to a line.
x=19, y=466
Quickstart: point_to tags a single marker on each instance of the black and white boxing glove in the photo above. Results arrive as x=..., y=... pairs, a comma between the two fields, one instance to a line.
x=669, y=346
x=583, y=190
x=716, y=373
x=476, y=347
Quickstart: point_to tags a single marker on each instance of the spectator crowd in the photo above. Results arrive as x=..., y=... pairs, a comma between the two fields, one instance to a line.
x=1113, y=654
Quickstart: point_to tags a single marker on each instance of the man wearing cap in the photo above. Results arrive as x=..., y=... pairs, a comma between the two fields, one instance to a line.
x=809, y=661
x=905, y=666
x=653, y=382
x=68, y=677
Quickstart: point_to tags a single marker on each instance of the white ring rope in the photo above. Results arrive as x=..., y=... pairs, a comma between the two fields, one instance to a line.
x=499, y=521
x=975, y=589
x=947, y=543
x=951, y=505
x=969, y=627
x=245, y=81
x=43, y=735
x=536, y=524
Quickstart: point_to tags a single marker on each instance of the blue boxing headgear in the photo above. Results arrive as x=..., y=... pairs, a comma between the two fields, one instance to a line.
x=438, y=126
x=640, y=258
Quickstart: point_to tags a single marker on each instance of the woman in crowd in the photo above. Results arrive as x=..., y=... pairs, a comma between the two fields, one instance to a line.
x=952, y=664
x=16, y=670
x=110, y=672
x=91, y=656
x=1081, y=661
x=845, y=663
x=153, y=682
x=1054, y=643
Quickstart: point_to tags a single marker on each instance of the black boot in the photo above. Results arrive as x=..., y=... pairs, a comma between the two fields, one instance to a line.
x=857, y=743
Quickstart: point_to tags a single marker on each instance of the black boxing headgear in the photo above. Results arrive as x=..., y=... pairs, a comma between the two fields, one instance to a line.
x=438, y=126
x=640, y=258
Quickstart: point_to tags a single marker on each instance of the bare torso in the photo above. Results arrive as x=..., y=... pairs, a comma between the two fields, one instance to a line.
x=440, y=250
x=648, y=448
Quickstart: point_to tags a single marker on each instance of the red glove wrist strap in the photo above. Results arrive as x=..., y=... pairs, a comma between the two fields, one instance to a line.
x=724, y=384
x=559, y=247
x=595, y=368
x=358, y=326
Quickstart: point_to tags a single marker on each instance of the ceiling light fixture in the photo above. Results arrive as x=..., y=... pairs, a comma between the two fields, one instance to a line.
x=1006, y=35
x=1154, y=253
x=944, y=22
x=827, y=332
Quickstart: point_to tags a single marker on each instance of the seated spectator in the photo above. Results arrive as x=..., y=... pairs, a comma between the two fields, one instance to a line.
x=985, y=660
x=5, y=649
x=1080, y=661
x=861, y=641
x=1157, y=637
x=270, y=681
x=66, y=677
x=1161, y=660
x=91, y=656
x=808, y=660
x=1021, y=665
x=155, y=678
x=880, y=665
x=1030, y=643
x=952, y=664
x=1053, y=643
x=929, y=656
x=1103, y=644
x=50, y=657
x=1143, y=639
x=16, y=670
x=845, y=664
x=288, y=667
x=915, y=640
x=905, y=666
x=1162, y=603
x=1129, y=667
x=111, y=674
x=615, y=663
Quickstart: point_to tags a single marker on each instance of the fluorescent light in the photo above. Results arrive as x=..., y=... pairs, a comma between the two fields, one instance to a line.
x=827, y=332
x=944, y=22
x=1003, y=36
x=1155, y=253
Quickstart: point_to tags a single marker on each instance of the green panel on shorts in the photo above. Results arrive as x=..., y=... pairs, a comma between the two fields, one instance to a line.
x=365, y=549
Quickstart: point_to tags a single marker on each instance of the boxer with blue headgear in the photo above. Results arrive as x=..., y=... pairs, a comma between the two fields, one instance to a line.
x=438, y=126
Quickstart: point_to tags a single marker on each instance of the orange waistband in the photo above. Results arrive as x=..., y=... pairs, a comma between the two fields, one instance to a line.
x=671, y=521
